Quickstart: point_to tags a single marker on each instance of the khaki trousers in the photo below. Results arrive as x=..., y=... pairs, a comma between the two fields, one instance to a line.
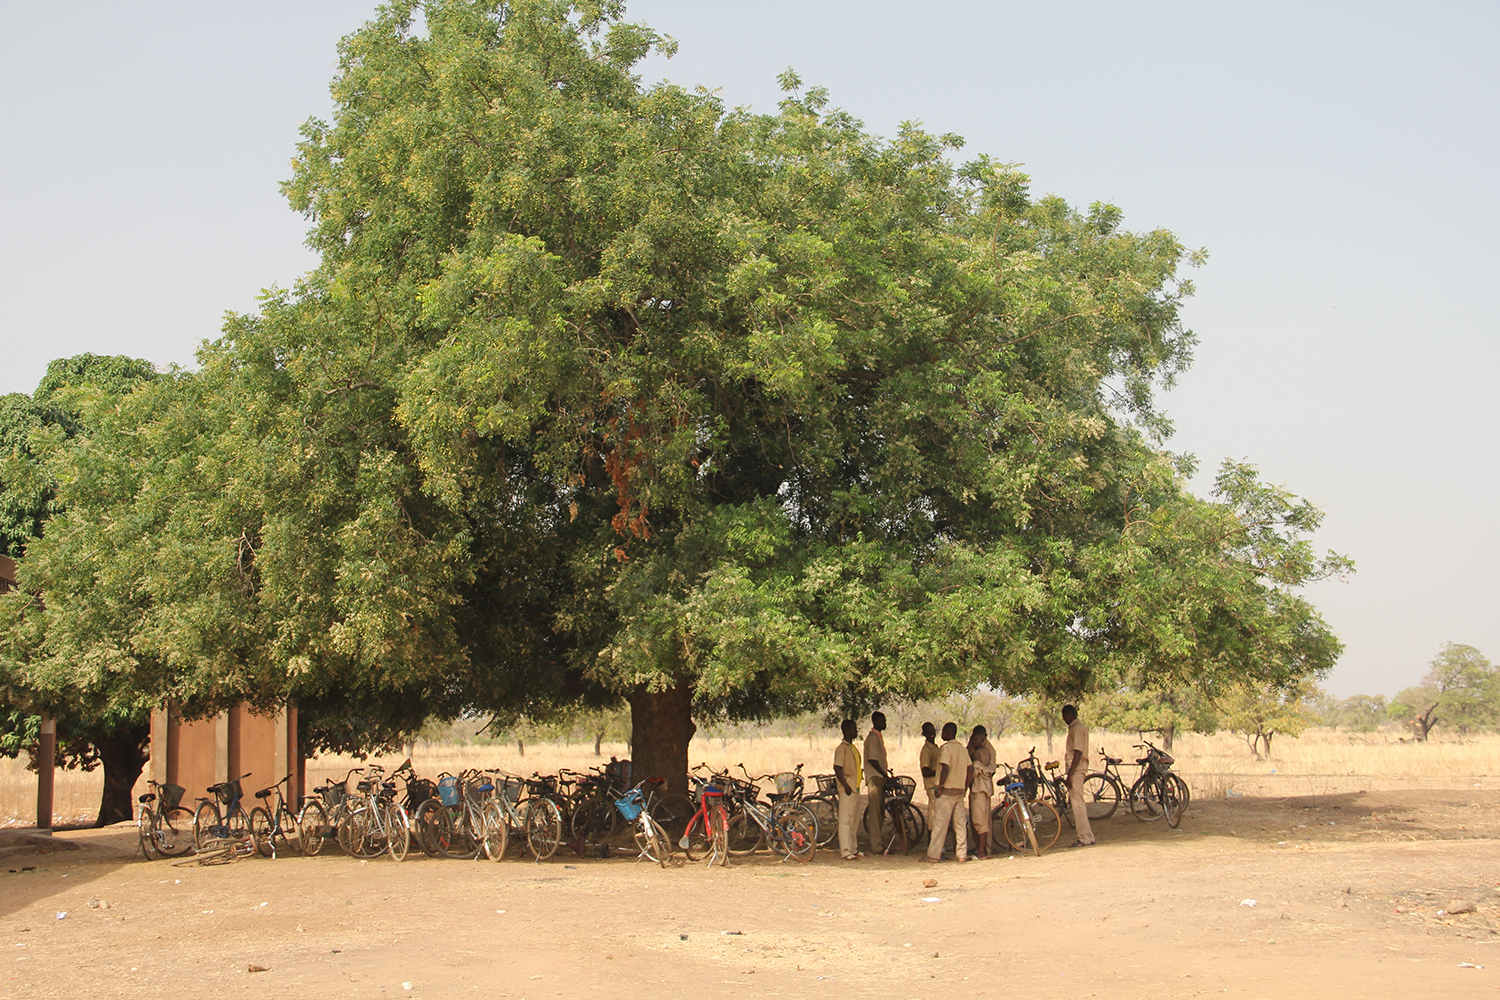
x=949, y=811
x=848, y=824
x=1080, y=806
x=979, y=813
x=874, y=812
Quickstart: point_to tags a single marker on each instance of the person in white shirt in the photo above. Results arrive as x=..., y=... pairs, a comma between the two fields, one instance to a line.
x=1076, y=762
x=955, y=775
x=847, y=773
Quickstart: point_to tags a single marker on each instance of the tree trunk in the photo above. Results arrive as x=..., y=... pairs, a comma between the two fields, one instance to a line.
x=1167, y=733
x=661, y=727
x=123, y=753
x=520, y=746
x=1252, y=740
x=598, y=739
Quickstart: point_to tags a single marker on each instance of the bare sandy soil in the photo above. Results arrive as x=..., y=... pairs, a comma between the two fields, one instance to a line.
x=1361, y=895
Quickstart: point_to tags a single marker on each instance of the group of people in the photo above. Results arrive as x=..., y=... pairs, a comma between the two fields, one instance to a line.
x=951, y=773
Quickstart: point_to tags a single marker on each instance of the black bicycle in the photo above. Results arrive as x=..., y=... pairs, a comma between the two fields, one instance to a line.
x=272, y=825
x=165, y=826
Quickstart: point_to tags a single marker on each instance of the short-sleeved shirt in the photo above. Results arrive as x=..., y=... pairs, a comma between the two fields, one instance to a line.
x=1078, y=739
x=956, y=756
x=984, y=769
x=928, y=758
x=875, y=750
x=847, y=757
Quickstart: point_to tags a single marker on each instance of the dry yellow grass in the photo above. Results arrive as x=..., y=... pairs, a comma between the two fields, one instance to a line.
x=1319, y=762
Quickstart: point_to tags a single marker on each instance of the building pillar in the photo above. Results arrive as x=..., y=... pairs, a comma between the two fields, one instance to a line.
x=46, y=761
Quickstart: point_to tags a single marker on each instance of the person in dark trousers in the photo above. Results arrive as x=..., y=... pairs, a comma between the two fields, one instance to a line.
x=876, y=773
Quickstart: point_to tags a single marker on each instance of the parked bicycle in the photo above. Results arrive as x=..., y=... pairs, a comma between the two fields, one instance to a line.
x=1157, y=793
x=1024, y=819
x=650, y=838
x=322, y=816
x=223, y=816
x=786, y=828
x=165, y=826
x=707, y=833
x=272, y=825
x=379, y=825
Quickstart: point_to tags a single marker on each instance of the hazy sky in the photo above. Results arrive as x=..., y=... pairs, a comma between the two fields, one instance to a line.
x=1338, y=161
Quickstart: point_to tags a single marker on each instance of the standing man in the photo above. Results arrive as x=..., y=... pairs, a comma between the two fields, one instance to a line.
x=927, y=760
x=1076, y=760
x=847, y=772
x=875, y=778
x=955, y=774
x=982, y=791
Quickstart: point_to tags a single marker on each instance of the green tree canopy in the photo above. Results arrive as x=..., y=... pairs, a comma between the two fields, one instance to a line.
x=605, y=390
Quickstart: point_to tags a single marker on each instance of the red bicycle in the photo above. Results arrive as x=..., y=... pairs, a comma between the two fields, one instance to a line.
x=707, y=833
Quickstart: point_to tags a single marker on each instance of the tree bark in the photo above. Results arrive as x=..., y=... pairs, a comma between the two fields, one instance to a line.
x=661, y=727
x=123, y=754
x=1167, y=733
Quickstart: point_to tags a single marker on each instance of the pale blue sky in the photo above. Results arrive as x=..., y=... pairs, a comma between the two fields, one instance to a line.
x=1338, y=161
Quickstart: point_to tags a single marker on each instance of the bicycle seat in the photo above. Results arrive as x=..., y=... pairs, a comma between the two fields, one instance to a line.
x=486, y=787
x=1015, y=786
x=1052, y=765
x=1143, y=760
x=264, y=793
x=1114, y=760
x=148, y=797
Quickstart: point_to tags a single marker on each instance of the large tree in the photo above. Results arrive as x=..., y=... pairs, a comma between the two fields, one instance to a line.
x=91, y=733
x=603, y=390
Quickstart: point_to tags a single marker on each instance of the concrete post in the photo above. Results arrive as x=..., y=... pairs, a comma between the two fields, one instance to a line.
x=46, y=759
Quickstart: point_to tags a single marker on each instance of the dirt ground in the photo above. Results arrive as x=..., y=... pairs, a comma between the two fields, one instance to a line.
x=1361, y=895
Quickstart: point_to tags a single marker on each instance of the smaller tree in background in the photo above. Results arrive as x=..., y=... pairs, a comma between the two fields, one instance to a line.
x=1163, y=713
x=1260, y=715
x=1360, y=713
x=1461, y=689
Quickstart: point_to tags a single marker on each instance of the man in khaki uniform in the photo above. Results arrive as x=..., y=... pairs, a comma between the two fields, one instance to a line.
x=982, y=791
x=1076, y=761
x=876, y=773
x=847, y=773
x=955, y=774
x=927, y=762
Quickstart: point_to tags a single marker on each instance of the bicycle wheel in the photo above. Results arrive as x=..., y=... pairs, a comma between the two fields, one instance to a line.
x=312, y=827
x=260, y=832
x=1044, y=823
x=397, y=830
x=1145, y=798
x=1182, y=789
x=1101, y=795
x=174, y=832
x=285, y=834
x=543, y=828
x=696, y=841
x=826, y=814
x=795, y=834
x=718, y=841
x=454, y=838
x=673, y=811
x=204, y=820
x=496, y=831
x=1019, y=831
x=146, y=831
x=745, y=835
x=1171, y=802
x=651, y=841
